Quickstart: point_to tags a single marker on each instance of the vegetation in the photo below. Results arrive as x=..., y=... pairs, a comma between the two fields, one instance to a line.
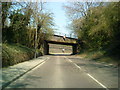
x=26, y=24
x=97, y=26
x=15, y=53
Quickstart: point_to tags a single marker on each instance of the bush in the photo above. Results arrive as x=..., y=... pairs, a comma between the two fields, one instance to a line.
x=15, y=53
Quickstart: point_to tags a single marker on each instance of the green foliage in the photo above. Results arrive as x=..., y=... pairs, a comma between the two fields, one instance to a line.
x=23, y=22
x=99, y=29
x=18, y=27
x=15, y=53
x=20, y=33
x=44, y=29
x=5, y=11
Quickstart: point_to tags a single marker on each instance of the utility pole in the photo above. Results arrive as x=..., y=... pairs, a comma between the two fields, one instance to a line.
x=35, y=56
x=36, y=18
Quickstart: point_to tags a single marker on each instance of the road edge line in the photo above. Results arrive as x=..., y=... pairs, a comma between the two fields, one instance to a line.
x=73, y=63
x=8, y=83
x=89, y=75
x=97, y=81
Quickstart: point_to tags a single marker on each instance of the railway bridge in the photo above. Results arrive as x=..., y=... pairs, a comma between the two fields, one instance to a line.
x=57, y=39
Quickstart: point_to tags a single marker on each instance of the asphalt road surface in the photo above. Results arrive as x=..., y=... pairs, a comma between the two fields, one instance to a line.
x=57, y=72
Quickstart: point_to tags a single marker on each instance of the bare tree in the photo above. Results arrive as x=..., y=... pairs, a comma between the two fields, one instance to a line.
x=76, y=10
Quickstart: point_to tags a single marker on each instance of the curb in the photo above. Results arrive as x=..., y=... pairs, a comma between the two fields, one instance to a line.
x=9, y=82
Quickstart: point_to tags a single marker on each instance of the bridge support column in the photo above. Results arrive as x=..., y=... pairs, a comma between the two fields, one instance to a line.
x=46, y=48
x=74, y=49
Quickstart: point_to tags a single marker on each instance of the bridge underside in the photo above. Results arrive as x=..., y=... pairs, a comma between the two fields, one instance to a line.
x=46, y=46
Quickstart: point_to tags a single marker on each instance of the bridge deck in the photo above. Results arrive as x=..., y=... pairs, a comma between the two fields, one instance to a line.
x=62, y=43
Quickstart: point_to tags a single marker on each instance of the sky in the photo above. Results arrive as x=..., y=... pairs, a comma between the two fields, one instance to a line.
x=60, y=16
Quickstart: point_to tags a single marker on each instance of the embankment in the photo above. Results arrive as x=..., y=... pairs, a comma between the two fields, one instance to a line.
x=16, y=53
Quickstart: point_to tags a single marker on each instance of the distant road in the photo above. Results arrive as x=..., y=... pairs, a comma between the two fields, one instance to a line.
x=57, y=72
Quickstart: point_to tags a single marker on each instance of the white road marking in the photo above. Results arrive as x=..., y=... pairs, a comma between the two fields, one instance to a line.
x=38, y=66
x=89, y=75
x=28, y=72
x=73, y=63
x=70, y=60
x=97, y=81
x=77, y=66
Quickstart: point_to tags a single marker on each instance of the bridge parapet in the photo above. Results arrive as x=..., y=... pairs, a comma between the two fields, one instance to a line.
x=63, y=39
x=71, y=35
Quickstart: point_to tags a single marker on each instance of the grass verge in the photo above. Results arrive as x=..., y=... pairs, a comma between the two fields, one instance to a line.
x=15, y=53
x=99, y=56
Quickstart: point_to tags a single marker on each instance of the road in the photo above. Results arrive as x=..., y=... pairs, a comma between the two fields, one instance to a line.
x=57, y=72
